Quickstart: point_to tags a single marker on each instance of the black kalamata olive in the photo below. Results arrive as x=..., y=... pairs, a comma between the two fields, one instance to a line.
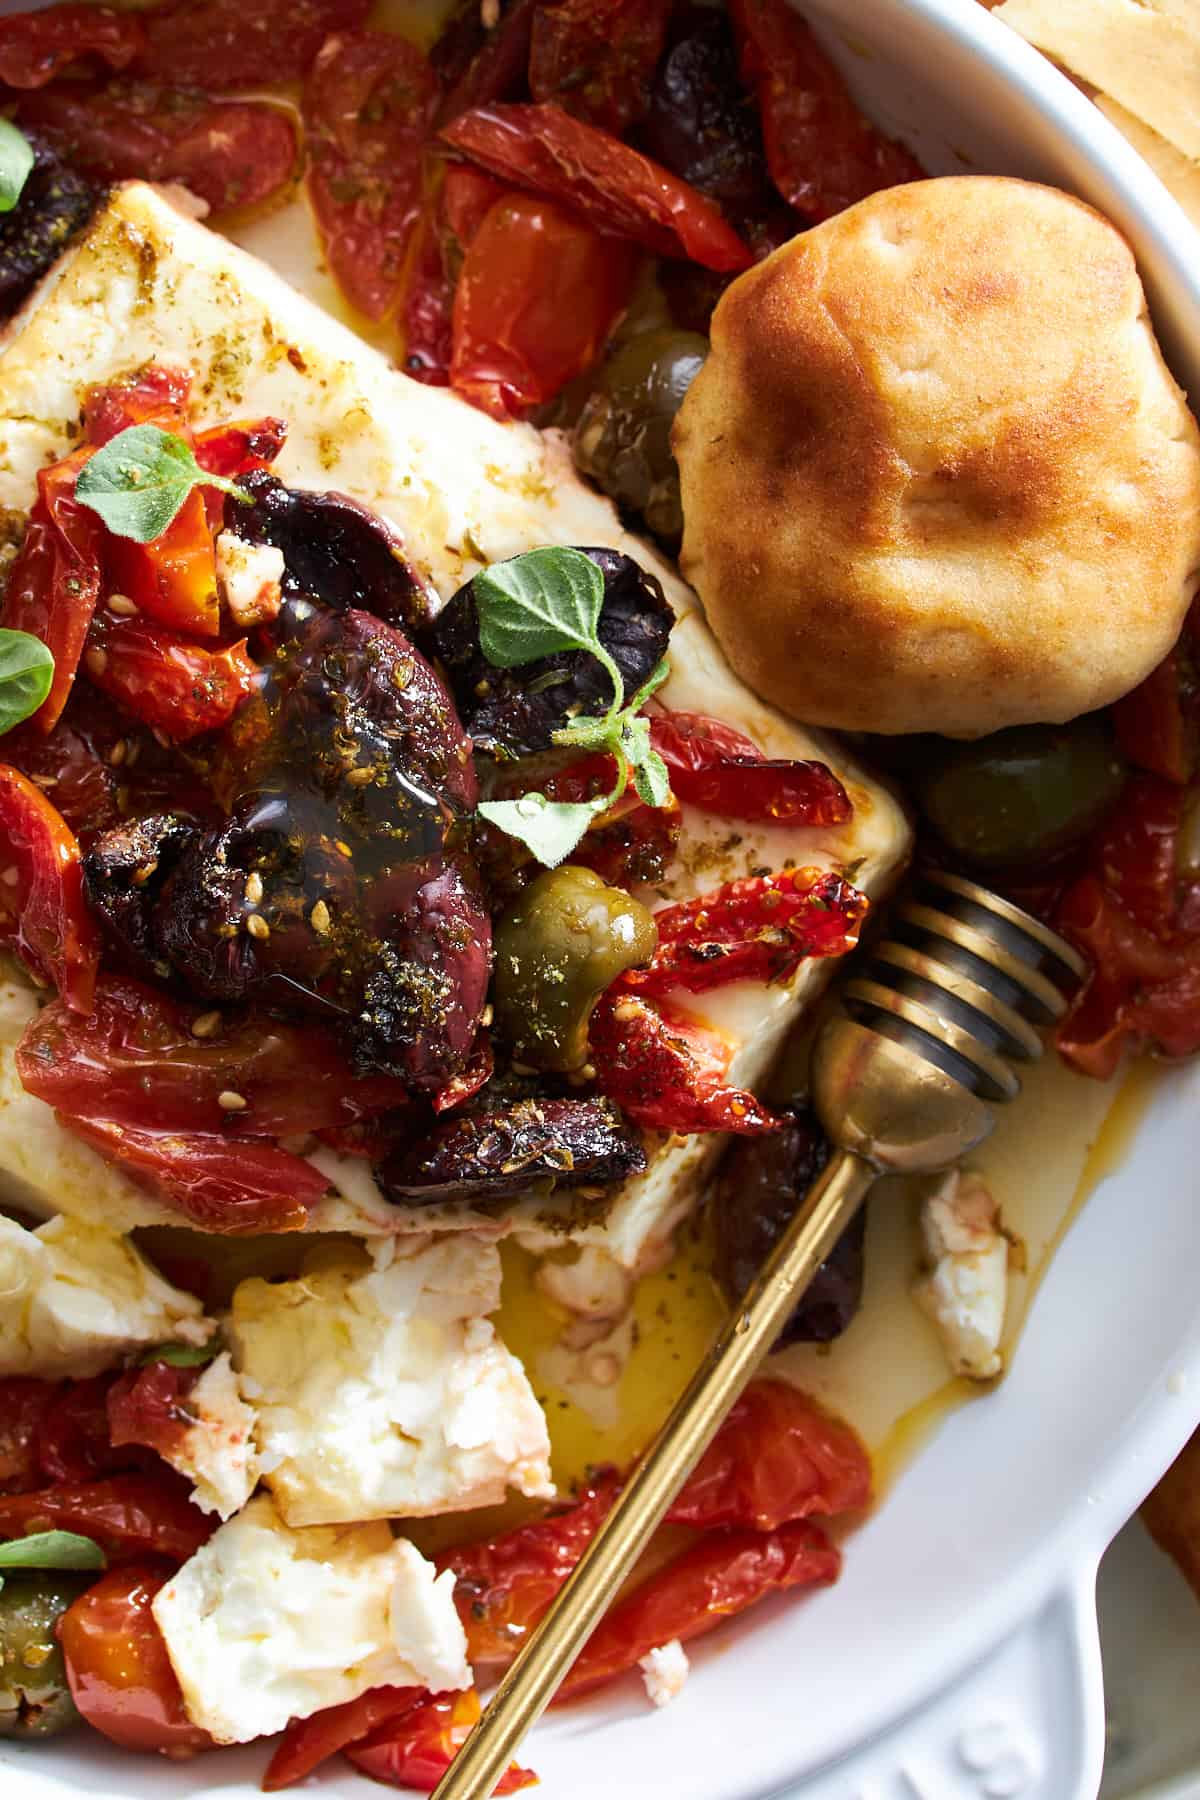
x=124, y=873
x=515, y=712
x=702, y=124
x=760, y=1183
x=54, y=204
x=529, y=1146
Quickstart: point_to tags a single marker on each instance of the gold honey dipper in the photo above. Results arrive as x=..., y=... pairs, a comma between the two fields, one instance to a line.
x=904, y=1079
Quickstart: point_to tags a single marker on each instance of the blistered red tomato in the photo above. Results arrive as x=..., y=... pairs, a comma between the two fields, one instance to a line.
x=713, y=766
x=37, y=46
x=668, y=1072
x=43, y=913
x=130, y=1516
x=118, y=1668
x=169, y=682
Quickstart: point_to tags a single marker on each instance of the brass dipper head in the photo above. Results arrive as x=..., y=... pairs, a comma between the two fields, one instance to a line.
x=905, y=1075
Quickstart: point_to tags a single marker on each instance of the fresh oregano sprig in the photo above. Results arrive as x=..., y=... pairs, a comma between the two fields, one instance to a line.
x=139, y=480
x=26, y=672
x=540, y=604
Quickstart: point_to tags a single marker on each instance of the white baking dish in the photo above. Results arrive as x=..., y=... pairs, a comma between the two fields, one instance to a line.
x=958, y=1656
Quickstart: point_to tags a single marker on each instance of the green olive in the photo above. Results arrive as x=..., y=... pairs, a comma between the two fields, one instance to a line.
x=558, y=947
x=623, y=435
x=1022, y=795
x=35, y=1700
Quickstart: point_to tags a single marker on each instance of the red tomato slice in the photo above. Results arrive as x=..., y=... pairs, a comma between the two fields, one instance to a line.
x=174, y=578
x=778, y=1457
x=24, y=1403
x=822, y=153
x=715, y=767
x=536, y=301
x=231, y=1187
x=367, y=105
x=43, y=912
x=597, y=58
x=170, y=683
x=235, y=449
x=217, y=44
x=54, y=581
x=73, y=1441
x=307, y=1743
x=717, y=1578
x=415, y=1750
x=666, y=1071
x=148, y=1408
x=134, y=1060
x=118, y=1668
x=758, y=929
x=1158, y=724
x=129, y=1516
x=35, y=46
x=614, y=187
x=232, y=153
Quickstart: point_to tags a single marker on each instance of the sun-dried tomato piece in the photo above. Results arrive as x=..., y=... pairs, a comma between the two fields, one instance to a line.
x=169, y=682
x=54, y=581
x=415, y=1750
x=128, y=1515
x=614, y=187
x=822, y=153
x=668, y=1072
x=367, y=105
x=36, y=46
x=713, y=766
x=43, y=912
x=218, y=44
x=757, y=929
x=597, y=58
x=232, y=153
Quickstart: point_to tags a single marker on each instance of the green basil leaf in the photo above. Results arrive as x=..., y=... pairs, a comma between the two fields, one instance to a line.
x=550, y=828
x=16, y=160
x=180, y=1356
x=537, y=604
x=652, y=779
x=52, y=1550
x=140, y=479
x=26, y=671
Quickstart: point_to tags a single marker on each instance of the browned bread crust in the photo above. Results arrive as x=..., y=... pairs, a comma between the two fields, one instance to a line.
x=936, y=475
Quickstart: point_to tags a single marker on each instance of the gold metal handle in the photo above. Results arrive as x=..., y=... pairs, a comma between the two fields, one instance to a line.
x=743, y=1341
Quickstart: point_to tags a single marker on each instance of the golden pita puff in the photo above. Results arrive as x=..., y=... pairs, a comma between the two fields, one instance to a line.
x=1144, y=53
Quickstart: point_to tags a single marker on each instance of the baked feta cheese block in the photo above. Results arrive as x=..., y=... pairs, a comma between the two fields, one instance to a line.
x=382, y=1390
x=75, y=1299
x=265, y=1624
x=217, y=1451
x=147, y=283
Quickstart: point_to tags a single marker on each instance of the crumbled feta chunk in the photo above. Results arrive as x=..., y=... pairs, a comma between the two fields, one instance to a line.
x=248, y=576
x=403, y=1400
x=966, y=1287
x=217, y=1452
x=75, y=1300
x=265, y=1624
x=664, y=1671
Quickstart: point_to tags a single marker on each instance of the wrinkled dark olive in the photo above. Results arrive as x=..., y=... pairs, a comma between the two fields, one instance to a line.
x=1024, y=794
x=759, y=1185
x=35, y=1700
x=623, y=436
x=532, y=1144
x=558, y=947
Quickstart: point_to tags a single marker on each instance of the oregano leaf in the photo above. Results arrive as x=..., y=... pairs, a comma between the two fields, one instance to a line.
x=16, y=160
x=537, y=604
x=26, y=672
x=52, y=1550
x=652, y=779
x=549, y=828
x=139, y=480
